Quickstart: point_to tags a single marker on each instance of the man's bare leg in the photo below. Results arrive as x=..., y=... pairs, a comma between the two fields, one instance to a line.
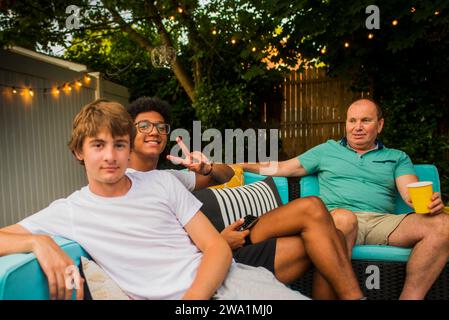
x=309, y=218
x=430, y=237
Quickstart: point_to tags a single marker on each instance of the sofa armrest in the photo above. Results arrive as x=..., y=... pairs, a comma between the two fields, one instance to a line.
x=21, y=277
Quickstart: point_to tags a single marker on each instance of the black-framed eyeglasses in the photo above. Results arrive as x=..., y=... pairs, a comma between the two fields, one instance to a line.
x=145, y=126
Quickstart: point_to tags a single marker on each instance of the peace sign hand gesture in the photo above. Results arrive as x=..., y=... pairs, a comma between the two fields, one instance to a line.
x=194, y=161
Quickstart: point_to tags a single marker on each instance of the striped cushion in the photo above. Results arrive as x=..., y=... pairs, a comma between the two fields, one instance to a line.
x=224, y=206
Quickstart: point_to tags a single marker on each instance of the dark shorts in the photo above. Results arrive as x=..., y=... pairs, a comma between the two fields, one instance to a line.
x=257, y=255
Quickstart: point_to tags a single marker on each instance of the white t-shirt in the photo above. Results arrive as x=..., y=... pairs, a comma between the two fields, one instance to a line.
x=138, y=238
x=187, y=178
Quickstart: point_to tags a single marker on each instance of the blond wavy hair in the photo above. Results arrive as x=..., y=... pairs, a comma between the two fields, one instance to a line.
x=96, y=116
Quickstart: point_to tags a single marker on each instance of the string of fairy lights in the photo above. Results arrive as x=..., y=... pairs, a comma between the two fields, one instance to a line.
x=55, y=90
x=370, y=35
x=323, y=50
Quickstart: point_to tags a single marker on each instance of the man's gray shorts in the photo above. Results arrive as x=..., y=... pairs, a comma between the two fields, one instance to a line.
x=250, y=283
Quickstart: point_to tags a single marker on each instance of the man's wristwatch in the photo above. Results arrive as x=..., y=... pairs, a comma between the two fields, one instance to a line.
x=211, y=168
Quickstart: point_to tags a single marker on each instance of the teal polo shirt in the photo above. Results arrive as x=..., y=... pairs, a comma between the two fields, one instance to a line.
x=360, y=183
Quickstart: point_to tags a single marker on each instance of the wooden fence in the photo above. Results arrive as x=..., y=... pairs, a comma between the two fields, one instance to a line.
x=313, y=109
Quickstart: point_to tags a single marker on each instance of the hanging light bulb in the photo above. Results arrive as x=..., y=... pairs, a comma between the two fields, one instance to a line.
x=370, y=36
x=14, y=90
x=86, y=79
x=346, y=44
x=78, y=83
x=323, y=50
x=395, y=22
x=31, y=92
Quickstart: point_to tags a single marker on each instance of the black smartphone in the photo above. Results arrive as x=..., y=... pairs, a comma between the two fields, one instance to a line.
x=249, y=222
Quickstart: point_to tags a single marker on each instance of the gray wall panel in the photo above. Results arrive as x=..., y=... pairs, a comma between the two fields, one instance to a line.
x=36, y=165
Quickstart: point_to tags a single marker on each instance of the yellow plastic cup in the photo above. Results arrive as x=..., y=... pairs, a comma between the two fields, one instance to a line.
x=421, y=195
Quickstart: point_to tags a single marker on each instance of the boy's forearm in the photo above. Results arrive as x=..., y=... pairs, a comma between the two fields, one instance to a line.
x=221, y=173
x=211, y=273
x=15, y=243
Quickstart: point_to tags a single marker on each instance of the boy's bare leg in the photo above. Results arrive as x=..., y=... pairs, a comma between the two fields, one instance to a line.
x=291, y=260
x=347, y=226
x=309, y=218
x=321, y=289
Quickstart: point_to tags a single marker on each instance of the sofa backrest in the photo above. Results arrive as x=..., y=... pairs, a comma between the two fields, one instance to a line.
x=426, y=172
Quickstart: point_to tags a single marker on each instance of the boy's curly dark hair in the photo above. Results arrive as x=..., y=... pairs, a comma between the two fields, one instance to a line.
x=145, y=104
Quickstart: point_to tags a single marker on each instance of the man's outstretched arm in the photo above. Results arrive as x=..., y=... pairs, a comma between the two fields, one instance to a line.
x=52, y=259
x=287, y=168
x=217, y=258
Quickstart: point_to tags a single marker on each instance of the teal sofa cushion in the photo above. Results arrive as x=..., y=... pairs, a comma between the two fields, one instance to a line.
x=380, y=253
x=21, y=277
x=426, y=172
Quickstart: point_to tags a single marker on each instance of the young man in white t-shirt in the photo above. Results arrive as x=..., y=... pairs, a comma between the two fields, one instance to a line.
x=279, y=242
x=144, y=229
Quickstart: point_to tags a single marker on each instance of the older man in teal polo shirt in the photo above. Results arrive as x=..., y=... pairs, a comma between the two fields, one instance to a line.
x=358, y=179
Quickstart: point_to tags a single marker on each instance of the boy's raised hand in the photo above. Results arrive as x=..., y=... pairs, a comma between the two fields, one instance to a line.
x=194, y=161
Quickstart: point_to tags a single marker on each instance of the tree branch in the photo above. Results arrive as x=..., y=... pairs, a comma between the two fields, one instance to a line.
x=125, y=27
x=178, y=69
x=196, y=40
